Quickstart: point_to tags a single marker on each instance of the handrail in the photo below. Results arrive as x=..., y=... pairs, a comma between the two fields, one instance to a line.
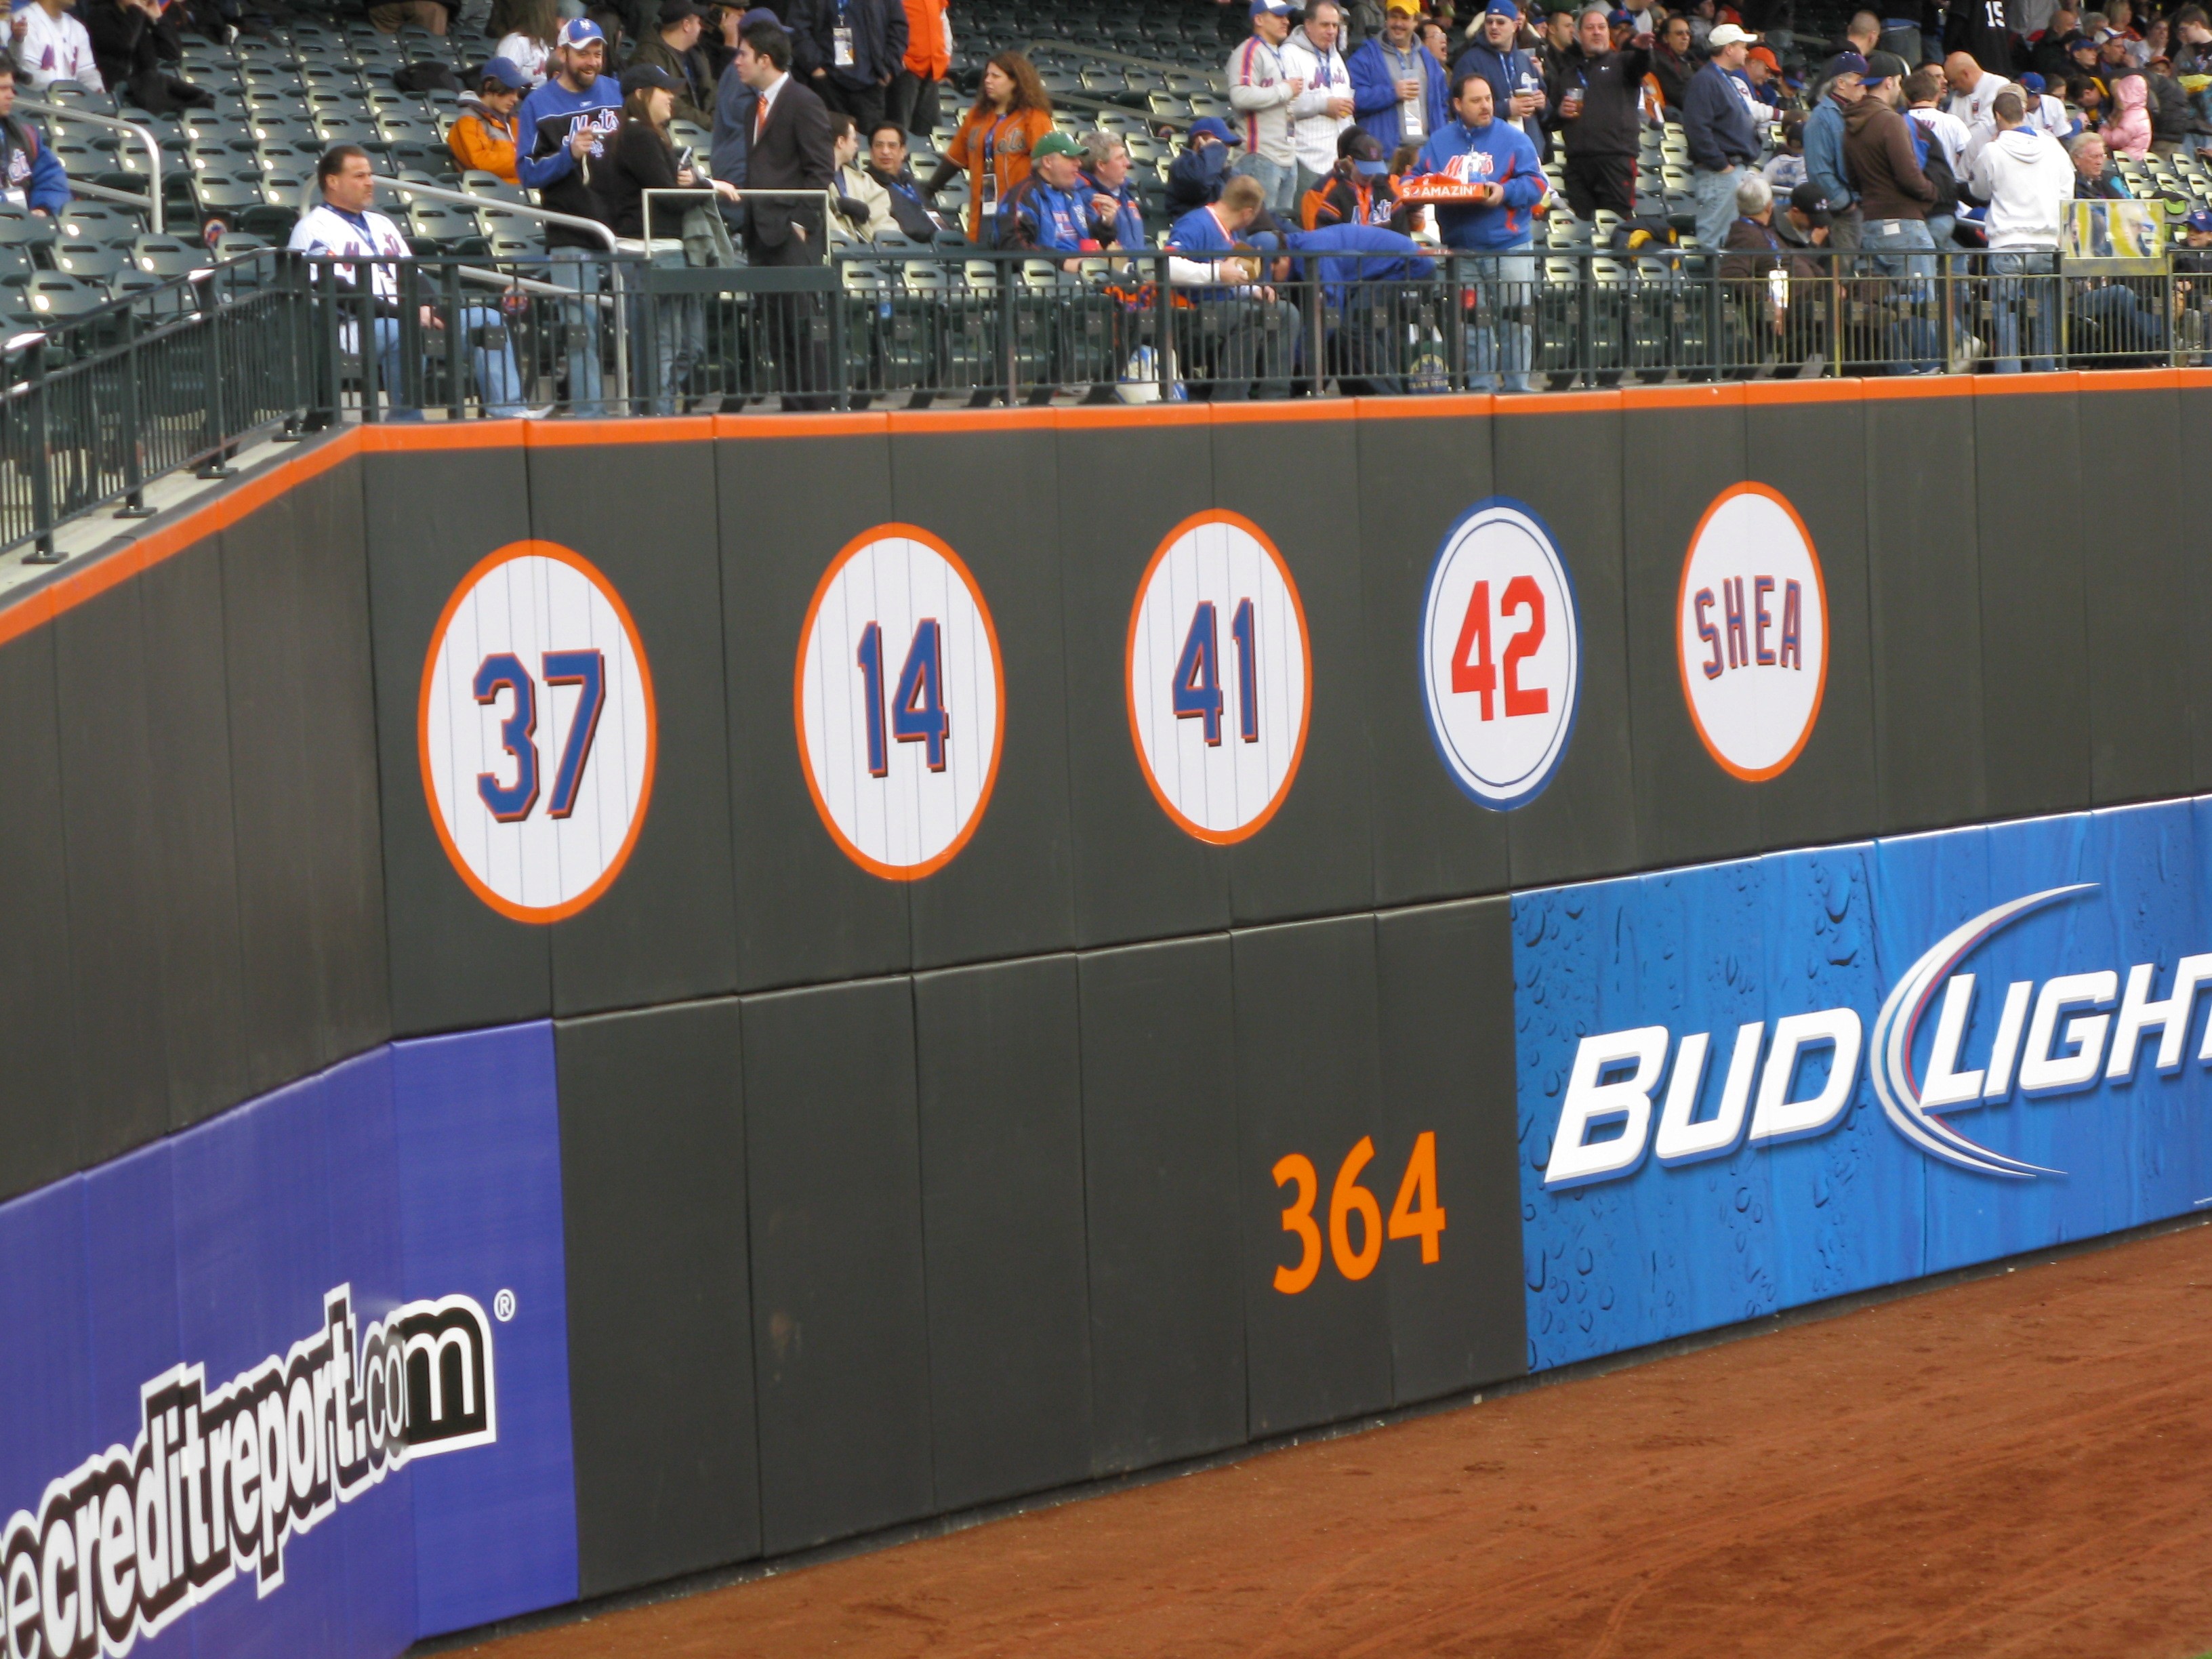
x=143, y=134
x=461, y=197
x=828, y=203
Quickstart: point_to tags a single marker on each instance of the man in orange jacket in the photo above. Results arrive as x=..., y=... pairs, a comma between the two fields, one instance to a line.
x=482, y=139
x=913, y=100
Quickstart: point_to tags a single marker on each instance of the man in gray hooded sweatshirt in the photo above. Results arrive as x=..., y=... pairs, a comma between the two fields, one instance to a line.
x=2028, y=181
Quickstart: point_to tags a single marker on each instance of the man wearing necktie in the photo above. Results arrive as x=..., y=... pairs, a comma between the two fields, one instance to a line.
x=792, y=150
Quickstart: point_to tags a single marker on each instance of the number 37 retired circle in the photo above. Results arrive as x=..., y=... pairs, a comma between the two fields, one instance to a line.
x=536, y=732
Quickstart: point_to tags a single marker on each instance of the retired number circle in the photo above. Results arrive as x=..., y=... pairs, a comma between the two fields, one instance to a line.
x=900, y=701
x=1501, y=654
x=1751, y=632
x=535, y=731
x=1219, y=677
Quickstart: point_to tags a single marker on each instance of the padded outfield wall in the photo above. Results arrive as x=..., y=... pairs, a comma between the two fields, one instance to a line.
x=666, y=992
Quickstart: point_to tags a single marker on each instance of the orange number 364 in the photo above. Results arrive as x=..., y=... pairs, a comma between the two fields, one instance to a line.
x=1416, y=1214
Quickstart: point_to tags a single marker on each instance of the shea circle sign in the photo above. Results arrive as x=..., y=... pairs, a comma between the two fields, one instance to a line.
x=1501, y=654
x=900, y=701
x=1751, y=632
x=536, y=732
x=1218, y=676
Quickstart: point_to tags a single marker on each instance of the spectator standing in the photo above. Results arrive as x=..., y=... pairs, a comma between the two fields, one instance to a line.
x=1902, y=35
x=1263, y=91
x=1593, y=101
x=1200, y=167
x=910, y=205
x=1825, y=132
x=1011, y=115
x=344, y=225
x=913, y=100
x=790, y=149
x=51, y=46
x=2127, y=130
x=482, y=138
x=1114, y=208
x=2191, y=43
x=2046, y=53
x=1717, y=123
x=673, y=47
x=1517, y=85
x=735, y=106
x=1397, y=88
x=1497, y=157
x=1973, y=89
x=1323, y=110
x=1893, y=196
x=2046, y=115
x=1942, y=136
x=1671, y=65
x=31, y=176
x=2026, y=179
x=564, y=127
x=1559, y=39
x=847, y=51
x=1977, y=30
x=530, y=45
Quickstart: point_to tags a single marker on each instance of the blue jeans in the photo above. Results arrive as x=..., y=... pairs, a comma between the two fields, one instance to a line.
x=2025, y=284
x=2138, y=327
x=1715, y=194
x=1903, y=249
x=578, y=269
x=1498, y=334
x=499, y=382
x=1279, y=179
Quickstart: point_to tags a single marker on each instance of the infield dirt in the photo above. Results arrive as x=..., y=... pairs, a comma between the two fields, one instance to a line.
x=2014, y=1466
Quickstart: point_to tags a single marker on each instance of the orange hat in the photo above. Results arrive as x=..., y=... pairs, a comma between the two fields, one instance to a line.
x=1767, y=57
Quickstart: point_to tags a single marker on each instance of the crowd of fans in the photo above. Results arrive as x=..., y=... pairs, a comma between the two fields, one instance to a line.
x=1365, y=136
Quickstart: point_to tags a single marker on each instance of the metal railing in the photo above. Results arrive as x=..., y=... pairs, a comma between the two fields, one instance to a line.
x=94, y=408
x=152, y=200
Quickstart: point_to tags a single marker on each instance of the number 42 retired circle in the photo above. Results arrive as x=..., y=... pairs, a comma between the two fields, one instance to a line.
x=1501, y=654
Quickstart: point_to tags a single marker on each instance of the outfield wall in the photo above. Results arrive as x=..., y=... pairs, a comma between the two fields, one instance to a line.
x=883, y=1059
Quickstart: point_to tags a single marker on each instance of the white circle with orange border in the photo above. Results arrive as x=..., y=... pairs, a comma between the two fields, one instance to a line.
x=536, y=732
x=1751, y=632
x=1219, y=677
x=900, y=701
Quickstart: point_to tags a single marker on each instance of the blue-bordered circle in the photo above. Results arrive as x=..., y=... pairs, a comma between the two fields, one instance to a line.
x=1503, y=538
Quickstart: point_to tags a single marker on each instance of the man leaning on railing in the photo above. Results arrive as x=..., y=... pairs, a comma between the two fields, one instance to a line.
x=343, y=230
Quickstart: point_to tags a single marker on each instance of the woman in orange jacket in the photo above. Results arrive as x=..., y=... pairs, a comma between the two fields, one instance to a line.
x=995, y=141
x=482, y=139
x=913, y=100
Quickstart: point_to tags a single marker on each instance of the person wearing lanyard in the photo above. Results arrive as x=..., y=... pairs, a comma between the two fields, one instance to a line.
x=1397, y=88
x=995, y=141
x=1324, y=109
x=847, y=52
x=887, y=166
x=1517, y=85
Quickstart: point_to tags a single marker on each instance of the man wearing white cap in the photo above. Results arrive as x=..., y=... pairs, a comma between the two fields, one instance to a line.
x=1717, y=122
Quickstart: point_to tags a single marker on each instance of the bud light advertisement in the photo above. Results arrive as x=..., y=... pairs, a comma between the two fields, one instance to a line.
x=1748, y=1087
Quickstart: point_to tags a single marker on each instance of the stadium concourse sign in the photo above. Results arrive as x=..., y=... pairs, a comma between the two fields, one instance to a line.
x=1751, y=632
x=1501, y=654
x=1218, y=675
x=536, y=731
x=899, y=696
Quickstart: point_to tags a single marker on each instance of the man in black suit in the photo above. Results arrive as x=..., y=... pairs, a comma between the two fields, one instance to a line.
x=791, y=147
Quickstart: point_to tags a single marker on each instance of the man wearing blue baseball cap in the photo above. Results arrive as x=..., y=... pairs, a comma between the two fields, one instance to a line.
x=1195, y=176
x=564, y=127
x=482, y=139
x=1517, y=85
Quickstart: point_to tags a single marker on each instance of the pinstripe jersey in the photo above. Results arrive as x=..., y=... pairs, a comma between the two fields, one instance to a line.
x=1259, y=92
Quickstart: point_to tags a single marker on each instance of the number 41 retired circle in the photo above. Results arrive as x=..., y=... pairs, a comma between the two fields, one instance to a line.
x=536, y=732
x=1501, y=654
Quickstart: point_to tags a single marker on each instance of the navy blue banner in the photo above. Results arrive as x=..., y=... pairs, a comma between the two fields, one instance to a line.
x=1751, y=1085
x=295, y=1381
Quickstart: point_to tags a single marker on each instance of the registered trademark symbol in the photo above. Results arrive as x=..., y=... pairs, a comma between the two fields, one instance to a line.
x=502, y=1306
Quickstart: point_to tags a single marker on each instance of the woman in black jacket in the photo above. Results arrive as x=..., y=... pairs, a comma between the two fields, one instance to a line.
x=130, y=45
x=641, y=159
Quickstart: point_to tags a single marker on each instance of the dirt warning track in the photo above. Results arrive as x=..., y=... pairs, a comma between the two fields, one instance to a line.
x=2015, y=1466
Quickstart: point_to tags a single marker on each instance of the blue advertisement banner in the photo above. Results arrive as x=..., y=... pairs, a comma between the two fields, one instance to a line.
x=1751, y=1085
x=294, y=1381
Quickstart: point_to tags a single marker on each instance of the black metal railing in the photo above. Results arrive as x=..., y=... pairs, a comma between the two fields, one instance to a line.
x=176, y=377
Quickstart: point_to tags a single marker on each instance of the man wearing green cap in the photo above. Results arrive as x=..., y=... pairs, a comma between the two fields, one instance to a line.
x=1050, y=210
